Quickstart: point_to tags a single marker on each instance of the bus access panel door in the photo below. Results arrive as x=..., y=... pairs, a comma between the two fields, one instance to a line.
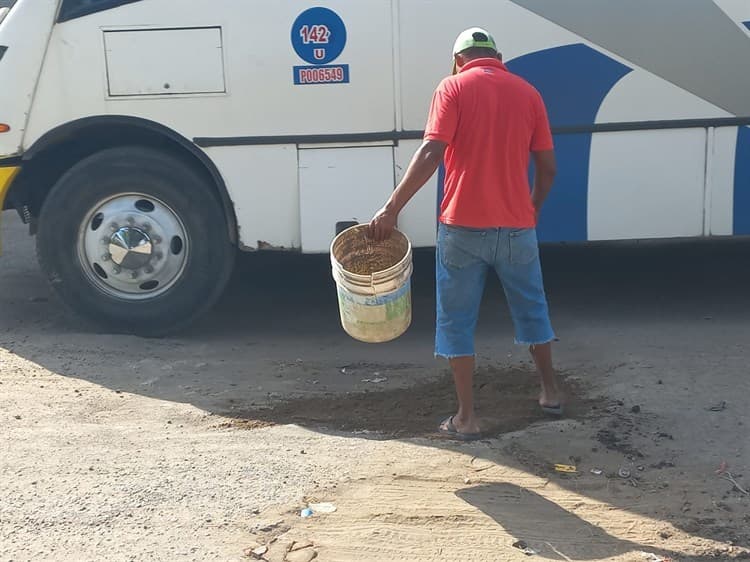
x=344, y=79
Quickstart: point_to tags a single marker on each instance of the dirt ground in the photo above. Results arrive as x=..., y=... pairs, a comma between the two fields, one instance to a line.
x=203, y=445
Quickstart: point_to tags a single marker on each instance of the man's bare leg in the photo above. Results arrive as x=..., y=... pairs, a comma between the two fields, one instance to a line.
x=542, y=355
x=463, y=375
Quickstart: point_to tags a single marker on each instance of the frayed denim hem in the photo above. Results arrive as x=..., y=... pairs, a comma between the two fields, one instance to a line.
x=454, y=356
x=528, y=343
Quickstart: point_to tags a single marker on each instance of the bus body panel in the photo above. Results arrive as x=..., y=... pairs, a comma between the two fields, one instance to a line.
x=685, y=181
x=24, y=32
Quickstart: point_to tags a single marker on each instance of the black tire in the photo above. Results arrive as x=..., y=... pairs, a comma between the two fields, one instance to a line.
x=111, y=173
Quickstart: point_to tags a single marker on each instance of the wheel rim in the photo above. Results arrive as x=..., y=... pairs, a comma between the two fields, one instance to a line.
x=133, y=246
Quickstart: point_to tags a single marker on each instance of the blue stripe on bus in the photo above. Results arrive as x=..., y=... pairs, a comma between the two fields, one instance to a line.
x=574, y=80
x=440, y=187
x=742, y=182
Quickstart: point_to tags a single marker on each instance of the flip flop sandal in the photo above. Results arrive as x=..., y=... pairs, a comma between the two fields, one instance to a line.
x=553, y=410
x=450, y=431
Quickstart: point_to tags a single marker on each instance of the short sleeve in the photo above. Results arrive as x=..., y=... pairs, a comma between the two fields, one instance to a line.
x=541, y=140
x=443, y=118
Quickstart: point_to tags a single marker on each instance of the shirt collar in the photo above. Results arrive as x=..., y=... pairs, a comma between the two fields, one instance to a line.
x=476, y=63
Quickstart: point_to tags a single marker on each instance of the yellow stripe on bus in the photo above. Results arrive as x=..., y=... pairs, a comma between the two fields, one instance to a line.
x=6, y=179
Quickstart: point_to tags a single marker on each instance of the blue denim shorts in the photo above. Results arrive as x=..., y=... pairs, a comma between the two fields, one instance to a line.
x=464, y=256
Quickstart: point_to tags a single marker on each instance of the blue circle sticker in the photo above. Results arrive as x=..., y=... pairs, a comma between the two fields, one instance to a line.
x=319, y=36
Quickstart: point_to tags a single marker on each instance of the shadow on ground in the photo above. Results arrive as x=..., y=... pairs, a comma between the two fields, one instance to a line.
x=532, y=516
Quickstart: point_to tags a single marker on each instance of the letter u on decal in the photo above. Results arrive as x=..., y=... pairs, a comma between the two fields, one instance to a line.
x=319, y=54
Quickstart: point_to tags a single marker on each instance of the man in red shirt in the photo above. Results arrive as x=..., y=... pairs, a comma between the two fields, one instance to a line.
x=485, y=124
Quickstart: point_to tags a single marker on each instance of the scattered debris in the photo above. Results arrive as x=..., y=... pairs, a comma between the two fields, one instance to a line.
x=640, y=468
x=525, y=548
x=723, y=472
x=300, y=545
x=720, y=407
x=303, y=555
x=624, y=472
x=481, y=468
x=376, y=380
x=566, y=468
x=650, y=557
x=662, y=464
x=597, y=471
x=249, y=550
x=467, y=480
x=636, y=409
x=322, y=507
x=255, y=551
x=305, y=513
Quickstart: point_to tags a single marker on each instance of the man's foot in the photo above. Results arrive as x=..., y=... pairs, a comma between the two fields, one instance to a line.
x=551, y=402
x=552, y=410
x=550, y=399
x=453, y=429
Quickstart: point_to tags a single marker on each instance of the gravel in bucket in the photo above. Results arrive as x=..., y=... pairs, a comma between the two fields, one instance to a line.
x=360, y=255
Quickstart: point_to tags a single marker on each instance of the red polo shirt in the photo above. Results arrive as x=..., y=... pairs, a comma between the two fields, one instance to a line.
x=491, y=120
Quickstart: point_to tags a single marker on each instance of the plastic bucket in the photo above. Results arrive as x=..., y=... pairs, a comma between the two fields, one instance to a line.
x=374, y=284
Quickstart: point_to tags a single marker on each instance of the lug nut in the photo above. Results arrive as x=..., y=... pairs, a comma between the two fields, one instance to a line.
x=146, y=226
x=106, y=257
x=158, y=256
x=134, y=275
x=131, y=220
x=113, y=227
x=105, y=240
x=157, y=239
x=148, y=269
x=116, y=270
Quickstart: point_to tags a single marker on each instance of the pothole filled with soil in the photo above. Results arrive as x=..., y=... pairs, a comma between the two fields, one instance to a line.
x=506, y=401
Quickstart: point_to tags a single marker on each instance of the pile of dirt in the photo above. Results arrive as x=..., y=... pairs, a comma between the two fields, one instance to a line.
x=506, y=401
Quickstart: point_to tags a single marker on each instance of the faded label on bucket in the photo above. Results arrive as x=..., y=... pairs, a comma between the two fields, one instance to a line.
x=378, y=309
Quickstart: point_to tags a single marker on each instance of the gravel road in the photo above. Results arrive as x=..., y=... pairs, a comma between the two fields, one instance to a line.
x=195, y=447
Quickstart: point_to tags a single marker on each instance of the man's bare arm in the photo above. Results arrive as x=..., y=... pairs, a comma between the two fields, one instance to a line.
x=423, y=165
x=544, y=176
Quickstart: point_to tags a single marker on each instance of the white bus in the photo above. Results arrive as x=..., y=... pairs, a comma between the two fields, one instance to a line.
x=144, y=141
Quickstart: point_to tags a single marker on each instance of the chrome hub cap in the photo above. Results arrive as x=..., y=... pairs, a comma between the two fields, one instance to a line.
x=133, y=246
x=130, y=248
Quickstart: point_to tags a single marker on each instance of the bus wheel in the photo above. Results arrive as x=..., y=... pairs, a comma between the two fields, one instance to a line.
x=135, y=240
